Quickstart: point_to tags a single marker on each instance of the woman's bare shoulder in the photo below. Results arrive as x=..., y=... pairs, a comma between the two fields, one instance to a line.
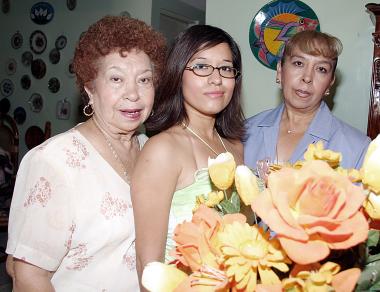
x=165, y=143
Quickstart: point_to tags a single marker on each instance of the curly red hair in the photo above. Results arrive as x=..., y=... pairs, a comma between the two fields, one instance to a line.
x=116, y=33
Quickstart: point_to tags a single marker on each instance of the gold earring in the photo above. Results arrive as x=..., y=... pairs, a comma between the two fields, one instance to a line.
x=327, y=92
x=277, y=81
x=88, y=111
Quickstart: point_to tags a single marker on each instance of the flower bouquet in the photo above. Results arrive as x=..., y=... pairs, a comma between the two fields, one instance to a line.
x=318, y=229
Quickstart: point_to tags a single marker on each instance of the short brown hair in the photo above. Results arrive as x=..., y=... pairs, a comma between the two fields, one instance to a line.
x=314, y=43
x=116, y=33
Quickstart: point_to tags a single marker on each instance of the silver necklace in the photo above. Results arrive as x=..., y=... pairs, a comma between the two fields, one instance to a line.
x=203, y=141
x=114, y=153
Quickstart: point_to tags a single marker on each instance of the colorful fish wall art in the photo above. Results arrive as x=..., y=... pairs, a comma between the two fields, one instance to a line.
x=274, y=24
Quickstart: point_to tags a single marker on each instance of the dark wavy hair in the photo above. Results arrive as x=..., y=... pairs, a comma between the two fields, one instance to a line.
x=169, y=107
x=116, y=33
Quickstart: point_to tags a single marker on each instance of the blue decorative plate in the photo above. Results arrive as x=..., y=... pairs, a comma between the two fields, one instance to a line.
x=41, y=13
x=274, y=24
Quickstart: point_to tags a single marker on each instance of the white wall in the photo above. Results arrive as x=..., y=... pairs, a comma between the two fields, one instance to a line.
x=69, y=23
x=348, y=20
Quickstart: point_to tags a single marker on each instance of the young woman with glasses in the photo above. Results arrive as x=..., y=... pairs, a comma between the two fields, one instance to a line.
x=197, y=113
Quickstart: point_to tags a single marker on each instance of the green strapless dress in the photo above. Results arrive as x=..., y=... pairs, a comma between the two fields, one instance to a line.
x=183, y=203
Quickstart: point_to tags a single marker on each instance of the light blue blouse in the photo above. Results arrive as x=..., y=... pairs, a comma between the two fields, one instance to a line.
x=263, y=129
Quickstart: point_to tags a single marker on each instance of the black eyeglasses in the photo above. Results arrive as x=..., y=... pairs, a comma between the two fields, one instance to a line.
x=204, y=70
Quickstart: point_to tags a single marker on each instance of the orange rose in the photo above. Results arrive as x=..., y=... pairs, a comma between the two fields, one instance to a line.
x=312, y=209
x=197, y=242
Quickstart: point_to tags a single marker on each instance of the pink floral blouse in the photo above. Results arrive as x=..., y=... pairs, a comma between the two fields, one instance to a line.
x=71, y=213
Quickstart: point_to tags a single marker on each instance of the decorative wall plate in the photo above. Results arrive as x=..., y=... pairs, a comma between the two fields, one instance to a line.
x=5, y=6
x=36, y=102
x=11, y=66
x=5, y=105
x=125, y=14
x=37, y=42
x=60, y=42
x=70, y=69
x=54, y=85
x=54, y=56
x=17, y=40
x=41, y=13
x=274, y=24
x=63, y=109
x=6, y=87
x=34, y=136
x=25, y=82
x=71, y=4
x=38, y=68
x=26, y=58
x=19, y=114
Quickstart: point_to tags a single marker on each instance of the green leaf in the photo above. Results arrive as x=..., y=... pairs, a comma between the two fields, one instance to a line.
x=373, y=258
x=228, y=207
x=369, y=277
x=235, y=201
x=373, y=238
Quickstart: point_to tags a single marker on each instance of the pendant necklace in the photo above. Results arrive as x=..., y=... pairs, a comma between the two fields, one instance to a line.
x=113, y=151
x=203, y=141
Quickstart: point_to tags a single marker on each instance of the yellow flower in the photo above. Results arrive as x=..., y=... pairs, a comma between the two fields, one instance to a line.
x=246, y=184
x=213, y=199
x=352, y=173
x=247, y=251
x=370, y=170
x=158, y=277
x=316, y=278
x=372, y=206
x=317, y=152
x=222, y=170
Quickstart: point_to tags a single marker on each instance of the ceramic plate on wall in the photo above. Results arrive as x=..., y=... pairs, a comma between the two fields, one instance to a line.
x=37, y=42
x=274, y=24
x=54, y=56
x=41, y=13
x=70, y=69
x=71, y=4
x=34, y=136
x=60, y=42
x=26, y=58
x=5, y=105
x=38, y=68
x=25, y=82
x=19, y=114
x=54, y=85
x=6, y=87
x=5, y=6
x=17, y=40
x=11, y=66
x=36, y=102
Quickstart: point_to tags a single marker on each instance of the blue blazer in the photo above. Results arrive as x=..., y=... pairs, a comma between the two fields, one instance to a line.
x=263, y=128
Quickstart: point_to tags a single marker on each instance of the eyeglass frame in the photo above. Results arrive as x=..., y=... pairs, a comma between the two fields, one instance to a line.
x=191, y=68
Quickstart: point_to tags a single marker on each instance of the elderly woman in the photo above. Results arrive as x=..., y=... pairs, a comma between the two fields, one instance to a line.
x=305, y=75
x=71, y=221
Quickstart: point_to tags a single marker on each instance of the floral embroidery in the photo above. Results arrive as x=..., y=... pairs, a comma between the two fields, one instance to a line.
x=70, y=239
x=113, y=206
x=129, y=257
x=79, y=257
x=78, y=155
x=40, y=193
